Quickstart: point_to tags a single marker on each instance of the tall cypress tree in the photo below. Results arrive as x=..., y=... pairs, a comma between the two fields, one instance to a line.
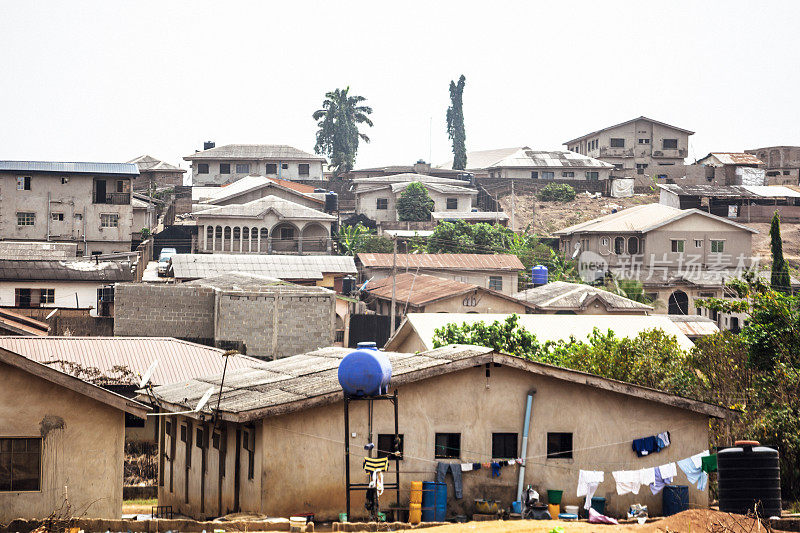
x=779, y=279
x=455, y=124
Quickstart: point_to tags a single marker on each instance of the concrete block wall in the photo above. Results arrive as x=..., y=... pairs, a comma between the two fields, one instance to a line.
x=277, y=323
x=164, y=311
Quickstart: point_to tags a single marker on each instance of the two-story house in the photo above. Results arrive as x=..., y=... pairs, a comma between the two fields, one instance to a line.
x=377, y=197
x=85, y=203
x=781, y=163
x=643, y=148
x=220, y=165
x=156, y=174
x=677, y=254
x=550, y=165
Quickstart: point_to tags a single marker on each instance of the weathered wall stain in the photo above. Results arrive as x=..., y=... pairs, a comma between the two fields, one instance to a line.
x=49, y=423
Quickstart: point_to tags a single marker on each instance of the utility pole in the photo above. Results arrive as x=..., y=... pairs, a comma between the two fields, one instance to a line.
x=513, y=225
x=394, y=283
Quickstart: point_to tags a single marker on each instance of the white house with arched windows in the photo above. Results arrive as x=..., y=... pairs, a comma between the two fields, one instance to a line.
x=264, y=226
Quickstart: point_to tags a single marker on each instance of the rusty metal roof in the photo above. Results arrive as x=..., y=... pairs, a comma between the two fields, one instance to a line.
x=734, y=158
x=421, y=289
x=694, y=326
x=561, y=295
x=504, y=262
x=178, y=360
x=21, y=324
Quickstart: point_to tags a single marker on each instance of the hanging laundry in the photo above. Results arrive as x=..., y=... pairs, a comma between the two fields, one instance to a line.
x=476, y=466
x=467, y=467
x=664, y=475
x=588, y=480
x=596, y=518
x=645, y=446
x=486, y=465
x=377, y=482
x=647, y=476
x=708, y=463
x=511, y=462
x=662, y=440
x=520, y=461
x=455, y=469
x=691, y=466
x=627, y=481
x=371, y=464
x=496, y=469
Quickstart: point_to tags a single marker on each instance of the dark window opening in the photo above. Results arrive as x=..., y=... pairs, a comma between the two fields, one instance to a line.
x=452, y=203
x=202, y=168
x=447, y=446
x=224, y=168
x=285, y=166
x=302, y=169
x=215, y=440
x=242, y=168
x=617, y=143
x=383, y=203
x=388, y=447
x=559, y=445
x=133, y=421
x=496, y=283
x=272, y=168
x=619, y=245
x=534, y=175
x=504, y=445
x=200, y=438
x=287, y=234
x=249, y=444
x=24, y=183
x=20, y=464
x=670, y=144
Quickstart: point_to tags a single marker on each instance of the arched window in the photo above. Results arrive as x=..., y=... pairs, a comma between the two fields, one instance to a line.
x=236, y=245
x=619, y=245
x=209, y=236
x=246, y=239
x=227, y=237
x=218, y=238
x=678, y=303
x=255, y=245
x=633, y=245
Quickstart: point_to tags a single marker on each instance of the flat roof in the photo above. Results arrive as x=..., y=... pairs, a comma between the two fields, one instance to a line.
x=506, y=262
x=64, y=167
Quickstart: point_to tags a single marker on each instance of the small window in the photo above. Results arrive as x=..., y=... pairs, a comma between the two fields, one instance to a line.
x=284, y=166
x=619, y=245
x=641, y=166
x=302, y=169
x=698, y=243
x=644, y=141
x=496, y=283
x=120, y=186
x=504, y=445
x=603, y=242
x=20, y=464
x=567, y=174
x=249, y=444
x=592, y=175
x=452, y=203
x=559, y=445
x=242, y=168
x=64, y=180
x=388, y=447
x=109, y=220
x=47, y=296
x=272, y=168
x=383, y=203
x=547, y=175
x=57, y=217
x=24, y=183
x=224, y=168
x=618, y=166
x=677, y=245
x=183, y=433
x=534, y=175
x=133, y=421
x=199, y=439
x=717, y=247
x=168, y=428
x=26, y=219
x=448, y=446
x=670, y=144
x=633, y=245
x=202, y=168
x=287, y=234
x=23, y=298
x=78, y=216
x=215, y=440
x=786, y=173
x=97, y=252
x=662, y=176
x=617, y=143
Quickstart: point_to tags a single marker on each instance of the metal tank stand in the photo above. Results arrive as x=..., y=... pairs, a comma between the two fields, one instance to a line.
x=349, y=486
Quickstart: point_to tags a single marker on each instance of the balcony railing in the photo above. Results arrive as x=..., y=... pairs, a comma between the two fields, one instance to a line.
x=114, y=198
x=616, y=152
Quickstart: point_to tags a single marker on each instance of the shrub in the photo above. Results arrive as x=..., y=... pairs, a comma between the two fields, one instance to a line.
x=557, y=192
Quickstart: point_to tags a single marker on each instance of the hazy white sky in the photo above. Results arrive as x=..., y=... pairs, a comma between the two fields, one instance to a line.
x=108, y=81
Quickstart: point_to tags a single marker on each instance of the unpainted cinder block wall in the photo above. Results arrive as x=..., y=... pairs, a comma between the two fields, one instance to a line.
x=272, y=324
x=164, y=311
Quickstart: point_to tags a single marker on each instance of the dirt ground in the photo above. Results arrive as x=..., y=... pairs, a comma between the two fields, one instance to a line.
x=790, y=234
x=548, y=217
x=692, y=521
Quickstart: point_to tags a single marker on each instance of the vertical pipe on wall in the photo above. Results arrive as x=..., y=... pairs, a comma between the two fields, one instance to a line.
x=523, y=454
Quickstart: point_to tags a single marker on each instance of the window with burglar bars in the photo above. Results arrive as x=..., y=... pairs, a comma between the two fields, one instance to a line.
x=448, y=446
x=20, y=464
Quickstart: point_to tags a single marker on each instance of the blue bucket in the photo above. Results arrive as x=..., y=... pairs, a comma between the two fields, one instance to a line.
x=516, y=507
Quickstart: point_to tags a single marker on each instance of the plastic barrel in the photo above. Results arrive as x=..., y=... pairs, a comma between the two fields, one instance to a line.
x=749, y=477
x=365, y=372
x=599, y=504
x=434, y=501
x=554, y=496
x=675, y=499
x=539, y=275
x=415, y=513
x=554, y=509
x=416, y=492
x=516, y=507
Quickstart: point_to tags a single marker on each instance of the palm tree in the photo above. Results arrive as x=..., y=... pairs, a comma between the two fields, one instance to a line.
x=338, y=135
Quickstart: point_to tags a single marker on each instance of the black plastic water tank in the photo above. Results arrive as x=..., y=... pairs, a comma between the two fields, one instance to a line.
x=331, y=202
x=749, y=477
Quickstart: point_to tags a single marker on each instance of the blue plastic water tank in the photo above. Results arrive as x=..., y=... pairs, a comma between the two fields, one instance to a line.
x=539, y=275
x=675, y=499
x=365, y=372
x=434, y=501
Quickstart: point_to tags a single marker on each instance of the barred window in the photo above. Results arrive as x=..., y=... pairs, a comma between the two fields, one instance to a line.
x=20, y=464
x=26, y=219
x=109, y=220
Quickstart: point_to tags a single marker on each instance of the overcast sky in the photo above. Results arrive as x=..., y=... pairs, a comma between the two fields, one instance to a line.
x=108, y=81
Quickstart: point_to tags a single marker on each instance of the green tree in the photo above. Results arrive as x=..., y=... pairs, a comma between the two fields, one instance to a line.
x=357, y=239
x=557, y=192
x=337, y=122
x=780, y=271
x=414, y=203
x=455, y=124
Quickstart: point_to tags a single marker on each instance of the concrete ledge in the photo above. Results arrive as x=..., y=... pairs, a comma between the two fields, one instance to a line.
x=100, y=525
x=383, y=526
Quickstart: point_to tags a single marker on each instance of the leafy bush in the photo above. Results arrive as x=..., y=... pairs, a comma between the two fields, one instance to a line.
x=557, y=192
x=414, y=204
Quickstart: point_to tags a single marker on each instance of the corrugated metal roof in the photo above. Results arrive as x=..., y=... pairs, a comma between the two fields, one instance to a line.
x=30, y=250
x=481, y=159
x=289, y=267
x=561, y=295
x=178, y=361
x=150, y=163
x=255, y=151
x=527, y=158
x=21, y=324
x=545, y=327
x=409, y=178
x=254, y=283
x=640, y=219
x=694, y=326
x=258, y=208
x=37, y=270
x=250, y=183
x=733, y=158
x=469, y=215
x=731, y=191
x=62, y=167
x=420, y=289
x=504, y=262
